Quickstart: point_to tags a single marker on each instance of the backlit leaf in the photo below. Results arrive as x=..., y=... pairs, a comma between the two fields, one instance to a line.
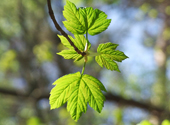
x=78, y=90
x=82, y=20
x=107, y=56
x=100, y=23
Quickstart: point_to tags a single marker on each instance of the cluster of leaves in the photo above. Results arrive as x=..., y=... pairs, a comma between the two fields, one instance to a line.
x=78, y=89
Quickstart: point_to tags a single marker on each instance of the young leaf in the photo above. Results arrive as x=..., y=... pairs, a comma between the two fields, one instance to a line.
x=70, y=54
x=107, y=54
x=108, y=63
x=78, y=90
x=100, y=23
x=83, y=20
x=107, y=46
x=75, y=20
x=79, y=41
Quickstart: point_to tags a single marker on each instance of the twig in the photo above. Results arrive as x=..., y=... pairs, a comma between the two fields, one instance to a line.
x=60, y=29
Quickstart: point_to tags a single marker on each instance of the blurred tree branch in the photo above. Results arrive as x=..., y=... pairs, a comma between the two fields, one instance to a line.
x=12, y=92
x=129, y=102
x=109, y=97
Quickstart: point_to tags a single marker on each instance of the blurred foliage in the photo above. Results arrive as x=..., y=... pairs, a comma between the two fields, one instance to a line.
x=147, y=9
x=8, y=61
x=43, y=52
x=166, y=33
x=145, y=122
x=33, y=121
x=66, y=119
x=9, y=24
x=153, y=13
x=166, y=122
x=118, y=114
x=167, y=10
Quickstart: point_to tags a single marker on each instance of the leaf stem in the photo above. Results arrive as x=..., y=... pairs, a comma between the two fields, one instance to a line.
x=87, y=41
x=86, y=35
x=86, y=48
x=83, y=68
x=85, y=57
x=93, y=54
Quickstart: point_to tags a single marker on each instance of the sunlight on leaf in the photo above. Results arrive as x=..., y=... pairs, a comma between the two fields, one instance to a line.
x=83, y=20
x=107, y=54
x=78, y=90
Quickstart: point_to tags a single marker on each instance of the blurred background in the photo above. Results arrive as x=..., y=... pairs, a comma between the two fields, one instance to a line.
x=29, y=64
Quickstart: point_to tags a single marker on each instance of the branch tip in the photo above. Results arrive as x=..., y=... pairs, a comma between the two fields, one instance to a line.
x=51, y=13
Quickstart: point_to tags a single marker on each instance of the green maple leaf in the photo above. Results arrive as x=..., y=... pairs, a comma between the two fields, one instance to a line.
x=79, y=41
x=83, y=20
x=107, y=54
x=78, y=90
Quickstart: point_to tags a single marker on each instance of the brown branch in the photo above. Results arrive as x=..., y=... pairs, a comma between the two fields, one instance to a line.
x=12, y=92
x=51, y=13
x=109, y=97
x=129, y=102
